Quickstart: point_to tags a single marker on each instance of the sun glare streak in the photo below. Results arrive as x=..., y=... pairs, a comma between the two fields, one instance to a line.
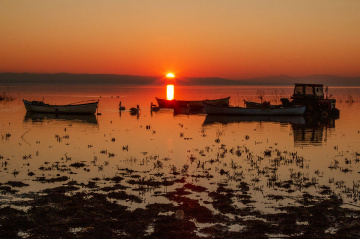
x=170, y=75
x=170, y=92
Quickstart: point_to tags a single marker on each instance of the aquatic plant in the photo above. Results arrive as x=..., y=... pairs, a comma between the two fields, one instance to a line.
x=5, y=97
x=158, y=164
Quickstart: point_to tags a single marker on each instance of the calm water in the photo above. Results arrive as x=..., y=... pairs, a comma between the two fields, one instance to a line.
x=204, y=150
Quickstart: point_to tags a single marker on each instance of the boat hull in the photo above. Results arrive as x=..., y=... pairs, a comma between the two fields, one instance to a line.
x=232, y=110
x=193, y=105
x=41, y=107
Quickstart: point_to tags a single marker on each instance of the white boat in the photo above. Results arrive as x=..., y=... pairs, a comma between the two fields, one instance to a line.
x=76, y=108
x=234, y=110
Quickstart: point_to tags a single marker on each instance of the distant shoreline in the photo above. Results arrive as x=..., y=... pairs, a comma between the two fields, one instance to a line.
x=111, y=79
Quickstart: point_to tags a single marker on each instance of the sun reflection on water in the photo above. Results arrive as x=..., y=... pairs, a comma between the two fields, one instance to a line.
x=170, y=92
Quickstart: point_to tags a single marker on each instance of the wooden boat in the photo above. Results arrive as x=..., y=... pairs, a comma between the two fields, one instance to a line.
x=234, y=110
x=76, y=108
x=193, y=105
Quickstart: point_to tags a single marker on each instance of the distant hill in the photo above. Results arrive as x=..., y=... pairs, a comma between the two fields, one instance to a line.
x=67, y=78
x=329, y=80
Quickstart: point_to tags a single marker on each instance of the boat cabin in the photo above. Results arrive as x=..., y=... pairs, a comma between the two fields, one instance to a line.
x=313, y=91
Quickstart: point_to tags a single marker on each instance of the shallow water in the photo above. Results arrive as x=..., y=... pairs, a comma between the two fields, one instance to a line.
x=263, y=152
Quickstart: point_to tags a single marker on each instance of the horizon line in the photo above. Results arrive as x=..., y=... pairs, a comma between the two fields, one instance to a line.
x=245, y=78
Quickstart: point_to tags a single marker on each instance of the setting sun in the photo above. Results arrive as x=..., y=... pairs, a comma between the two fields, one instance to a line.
x=170, y=75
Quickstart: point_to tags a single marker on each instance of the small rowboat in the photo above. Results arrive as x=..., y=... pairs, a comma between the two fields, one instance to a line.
x=234, y=110
x=192, y=104
x=76, y=108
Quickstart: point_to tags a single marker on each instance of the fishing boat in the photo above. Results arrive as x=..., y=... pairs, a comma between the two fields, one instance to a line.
x=75, y=108
x=316, y=100
x=192, y=104
x=234, y=110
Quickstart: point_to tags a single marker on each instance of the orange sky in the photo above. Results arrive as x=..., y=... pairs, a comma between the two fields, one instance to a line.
x=233, y=39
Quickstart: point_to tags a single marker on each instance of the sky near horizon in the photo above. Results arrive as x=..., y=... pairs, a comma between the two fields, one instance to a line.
x=233, y=39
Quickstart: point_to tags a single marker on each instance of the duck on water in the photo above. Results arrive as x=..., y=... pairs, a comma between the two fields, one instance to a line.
x=121, y=107
x=153, y=107
x=135, y=111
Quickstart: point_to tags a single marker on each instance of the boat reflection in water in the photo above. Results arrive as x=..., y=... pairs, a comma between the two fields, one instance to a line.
x=306, y=130
x=226, y=119
x=79, y=118
x=314, y=132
